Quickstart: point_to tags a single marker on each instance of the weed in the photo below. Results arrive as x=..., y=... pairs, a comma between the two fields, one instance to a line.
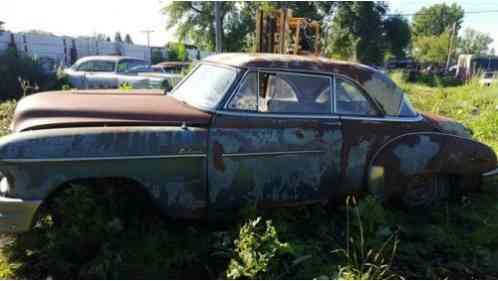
x=363, y=262
x=126, y=86
x=256, y=250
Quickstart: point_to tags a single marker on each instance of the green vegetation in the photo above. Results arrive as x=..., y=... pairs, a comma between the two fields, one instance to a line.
x=100, y=233
x=437, y=19
x=471, y=104
x=21, y=75
x=177, y=52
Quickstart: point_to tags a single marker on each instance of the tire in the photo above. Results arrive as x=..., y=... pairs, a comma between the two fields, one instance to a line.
x=426, y=191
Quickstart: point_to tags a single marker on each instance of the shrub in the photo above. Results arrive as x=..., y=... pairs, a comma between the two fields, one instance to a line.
x=256, y=251
x=14, y=68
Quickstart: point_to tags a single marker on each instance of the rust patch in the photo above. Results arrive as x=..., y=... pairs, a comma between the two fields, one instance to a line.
x=218, y=157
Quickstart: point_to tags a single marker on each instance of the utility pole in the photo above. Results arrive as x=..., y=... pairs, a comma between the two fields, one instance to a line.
x=148, y=32
x=217, y=17
x=450, y=47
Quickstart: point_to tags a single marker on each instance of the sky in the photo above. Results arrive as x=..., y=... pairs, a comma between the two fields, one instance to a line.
x=486, y=22
x=86, y=17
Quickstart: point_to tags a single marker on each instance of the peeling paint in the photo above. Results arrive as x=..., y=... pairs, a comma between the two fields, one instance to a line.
x=419, y=155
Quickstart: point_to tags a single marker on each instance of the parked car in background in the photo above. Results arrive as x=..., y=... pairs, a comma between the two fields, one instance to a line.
x=109, y=72
x=173, y=67
x=240, y=130
x=176, y=69
x=488, y=78
x=406, y=63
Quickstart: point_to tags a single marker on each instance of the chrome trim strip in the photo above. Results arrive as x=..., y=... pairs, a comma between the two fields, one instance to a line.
x=237, y=88
x=274, y=115
x=334, y=100
x=332, y=77
x=417, y=118
x=108, y=158
x=277, y=153
x=491, y=173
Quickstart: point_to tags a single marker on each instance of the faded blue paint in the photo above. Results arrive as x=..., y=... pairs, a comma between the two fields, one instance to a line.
x=415, y=158
x=177, y=184
x=272, y=179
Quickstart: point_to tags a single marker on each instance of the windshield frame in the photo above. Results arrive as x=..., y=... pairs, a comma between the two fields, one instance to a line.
x=238, y=74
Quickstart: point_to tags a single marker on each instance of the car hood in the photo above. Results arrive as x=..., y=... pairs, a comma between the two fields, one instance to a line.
x=448, y=125
x=77, y=108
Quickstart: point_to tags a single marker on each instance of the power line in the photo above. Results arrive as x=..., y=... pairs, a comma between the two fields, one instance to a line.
x=465, y=13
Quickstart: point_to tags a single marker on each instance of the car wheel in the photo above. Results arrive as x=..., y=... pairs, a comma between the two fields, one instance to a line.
x=426, y=191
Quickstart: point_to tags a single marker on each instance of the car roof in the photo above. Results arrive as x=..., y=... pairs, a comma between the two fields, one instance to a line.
x=108, y=58
x=294, y=62
x=377, y=84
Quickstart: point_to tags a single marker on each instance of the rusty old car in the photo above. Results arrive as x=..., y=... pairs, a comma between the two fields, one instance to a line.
x=240, y=129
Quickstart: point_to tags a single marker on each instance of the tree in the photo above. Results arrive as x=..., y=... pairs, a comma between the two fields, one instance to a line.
x=100, y=36
x=398, y=35
x=357, y=32
x=431, y=49
x=37, y=32
x=1, y=26
x=128, y=39
x=117, y=37
x=437, y=19
x=195, y=20
x=177, y=52
x=474, y=42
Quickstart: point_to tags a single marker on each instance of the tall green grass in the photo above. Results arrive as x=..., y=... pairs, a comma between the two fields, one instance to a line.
x=472, y=104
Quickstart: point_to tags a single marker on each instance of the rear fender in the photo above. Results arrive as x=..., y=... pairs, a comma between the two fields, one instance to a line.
x=426, y=153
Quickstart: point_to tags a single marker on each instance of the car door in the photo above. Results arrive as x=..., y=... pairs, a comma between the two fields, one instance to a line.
x=101, y=75
x=275, y=143
x=77, y=75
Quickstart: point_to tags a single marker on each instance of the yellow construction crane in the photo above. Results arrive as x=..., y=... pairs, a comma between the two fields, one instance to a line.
x=277, y=31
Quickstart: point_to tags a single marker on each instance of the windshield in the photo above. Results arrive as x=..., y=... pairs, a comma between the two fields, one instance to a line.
x=206, y=86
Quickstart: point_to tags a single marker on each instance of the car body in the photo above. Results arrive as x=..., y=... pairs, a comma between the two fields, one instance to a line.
x=488, y=78
x=110, y=72
x=240, y=129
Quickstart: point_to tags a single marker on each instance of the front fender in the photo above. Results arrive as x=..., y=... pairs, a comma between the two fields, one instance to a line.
x=170, y=162
x=426, y=153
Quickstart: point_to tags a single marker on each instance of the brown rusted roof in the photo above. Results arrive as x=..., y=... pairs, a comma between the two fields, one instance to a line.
x=309, y=63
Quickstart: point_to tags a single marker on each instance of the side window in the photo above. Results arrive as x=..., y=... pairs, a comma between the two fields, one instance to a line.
x=351, y=100
x=247, y=96
x=125, y=66
x=86, y=66
x=294, y=93
x=97, y=66
x=104, y=66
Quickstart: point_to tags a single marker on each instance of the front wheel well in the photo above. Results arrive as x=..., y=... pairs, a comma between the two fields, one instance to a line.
x=127, y=184
x=128, y=195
